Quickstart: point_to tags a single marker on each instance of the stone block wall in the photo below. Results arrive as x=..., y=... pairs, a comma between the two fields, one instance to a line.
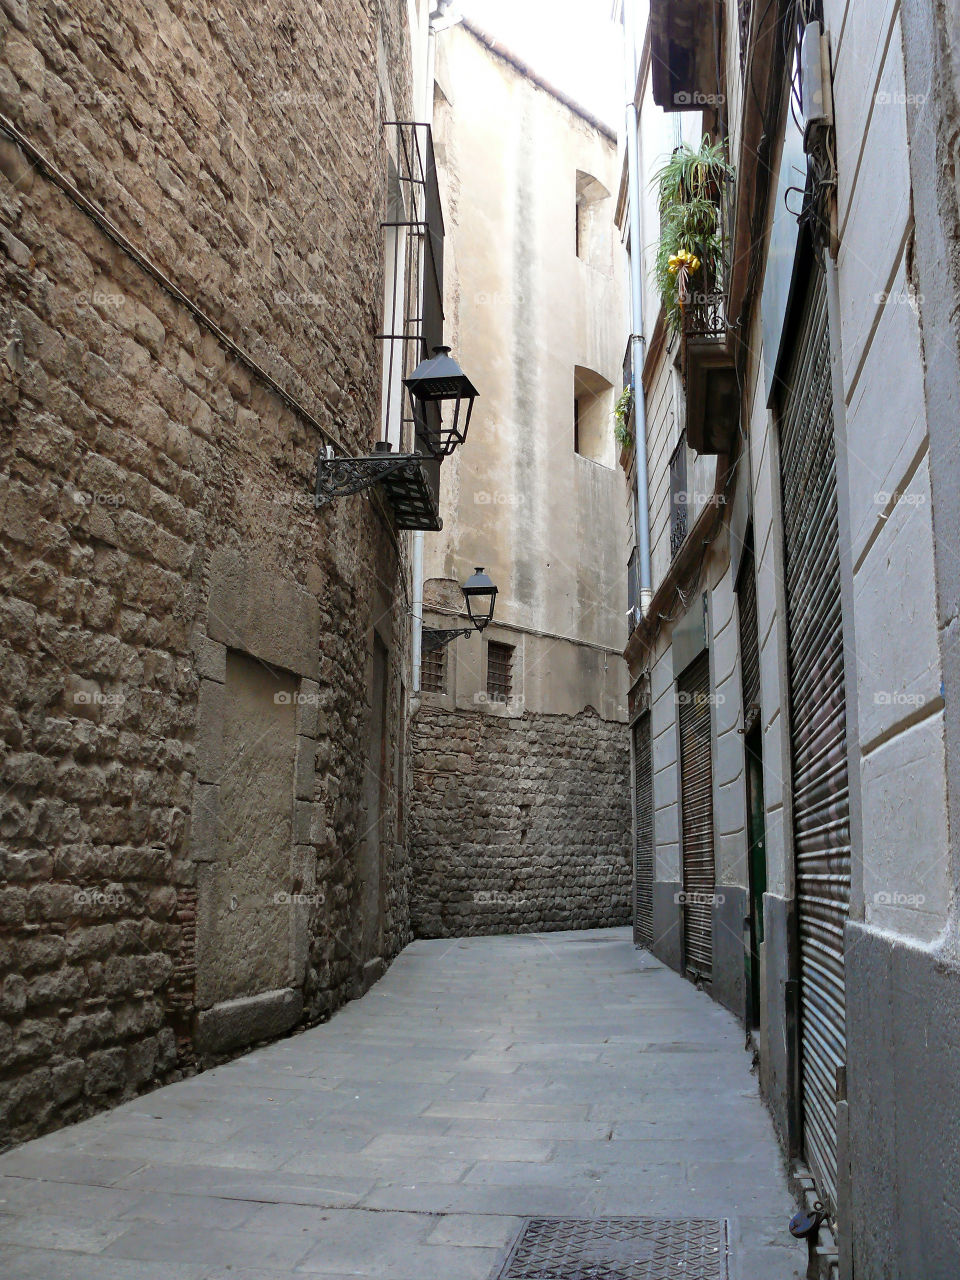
x=156, y=514
x=518, y=824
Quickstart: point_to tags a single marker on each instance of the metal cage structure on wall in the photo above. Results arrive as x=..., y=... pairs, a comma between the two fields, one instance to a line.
x=413, y=234
x=404, y=462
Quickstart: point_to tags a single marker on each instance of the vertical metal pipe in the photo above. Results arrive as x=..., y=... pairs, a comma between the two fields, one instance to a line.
x=636, y=302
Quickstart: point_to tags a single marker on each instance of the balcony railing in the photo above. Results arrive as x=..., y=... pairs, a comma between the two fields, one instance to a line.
x=708, y=359
x=705, y=316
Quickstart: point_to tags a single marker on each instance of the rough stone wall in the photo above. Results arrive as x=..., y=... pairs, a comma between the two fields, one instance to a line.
x=239, y=147
x=518, y=824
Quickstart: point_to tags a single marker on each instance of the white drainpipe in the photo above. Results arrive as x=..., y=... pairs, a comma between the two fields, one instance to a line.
x=636, y=303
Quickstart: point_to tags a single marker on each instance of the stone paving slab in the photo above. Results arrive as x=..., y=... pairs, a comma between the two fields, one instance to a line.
x=480, y=1082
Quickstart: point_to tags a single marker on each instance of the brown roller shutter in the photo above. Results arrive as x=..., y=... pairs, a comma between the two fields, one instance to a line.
x=643, y=849
x=696, y=802
x=821, y=835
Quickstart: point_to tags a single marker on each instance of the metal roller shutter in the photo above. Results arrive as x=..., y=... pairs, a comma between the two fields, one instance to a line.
x=643, y=850
x=696, y=800
x=818, y=726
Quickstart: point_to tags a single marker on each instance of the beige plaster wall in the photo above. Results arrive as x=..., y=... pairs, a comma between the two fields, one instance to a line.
x=523, y=311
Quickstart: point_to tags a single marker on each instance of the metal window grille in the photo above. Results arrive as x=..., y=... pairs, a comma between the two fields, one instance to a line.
x=633, y=589
x=679, y=504
x=499, y=670
x=433, y=671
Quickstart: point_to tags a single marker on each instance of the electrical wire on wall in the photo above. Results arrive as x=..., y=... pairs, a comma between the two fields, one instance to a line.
x=818, y=211
x=48, y=170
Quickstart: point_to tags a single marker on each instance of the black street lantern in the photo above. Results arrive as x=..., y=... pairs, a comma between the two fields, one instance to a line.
x=481, y=596
x=435, y=382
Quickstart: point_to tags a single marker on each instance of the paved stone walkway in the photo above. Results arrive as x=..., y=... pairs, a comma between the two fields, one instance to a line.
x=480, y=1081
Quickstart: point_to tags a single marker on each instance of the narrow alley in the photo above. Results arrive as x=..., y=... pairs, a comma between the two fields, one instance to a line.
x=481, y=1082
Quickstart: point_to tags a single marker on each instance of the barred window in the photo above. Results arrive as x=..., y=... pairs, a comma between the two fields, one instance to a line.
x=433, y=671
x=499, y=670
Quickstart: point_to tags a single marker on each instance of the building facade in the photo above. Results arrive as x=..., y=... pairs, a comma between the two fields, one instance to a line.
x=521, y=799
x=204, y=676
x=794, y=673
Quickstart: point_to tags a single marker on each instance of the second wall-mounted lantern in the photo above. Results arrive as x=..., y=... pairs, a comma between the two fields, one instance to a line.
x=481, y=597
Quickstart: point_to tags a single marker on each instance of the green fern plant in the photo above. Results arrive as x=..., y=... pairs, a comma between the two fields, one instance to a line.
x=621, y=419
x=690, y=250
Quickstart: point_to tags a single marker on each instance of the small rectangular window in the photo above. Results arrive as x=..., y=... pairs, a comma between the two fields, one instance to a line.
x=433, y=671
x=499, y=670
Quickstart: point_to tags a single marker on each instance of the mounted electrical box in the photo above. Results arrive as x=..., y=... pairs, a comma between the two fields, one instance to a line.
x=816, y=93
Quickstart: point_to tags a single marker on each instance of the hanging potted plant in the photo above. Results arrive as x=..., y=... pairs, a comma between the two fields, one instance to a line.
x=689, y=256
x=622, y=429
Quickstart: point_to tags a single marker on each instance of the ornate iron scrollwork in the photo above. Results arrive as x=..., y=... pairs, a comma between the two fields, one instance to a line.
x=437, y=637
x=339, y=477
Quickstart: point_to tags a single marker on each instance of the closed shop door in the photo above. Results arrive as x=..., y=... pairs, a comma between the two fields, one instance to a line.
x=821, y=833
x=753, y=768
x=696, y=803
x=643, y=849
x=749, y=634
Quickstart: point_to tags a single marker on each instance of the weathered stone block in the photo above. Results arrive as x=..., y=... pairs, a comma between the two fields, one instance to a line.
x=211, y=659
x=209, y=741
x=305, y=782
x=253, y=609
x=105, y=1071
x=308, y=709
x=241, y=1022
x=205, y=822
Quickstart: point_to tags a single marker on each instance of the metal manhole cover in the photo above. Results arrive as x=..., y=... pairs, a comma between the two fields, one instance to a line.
x=619, y=1249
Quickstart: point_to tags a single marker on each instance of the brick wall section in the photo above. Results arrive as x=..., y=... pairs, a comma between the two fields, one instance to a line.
x=518, y=824
x=240, y=148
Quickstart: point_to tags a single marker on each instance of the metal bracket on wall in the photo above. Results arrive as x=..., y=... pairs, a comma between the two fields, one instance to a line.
x=436, y=638
x=339, y=477
x=402, y=474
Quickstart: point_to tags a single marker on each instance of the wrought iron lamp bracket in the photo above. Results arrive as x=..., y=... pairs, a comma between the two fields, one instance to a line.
x=436, y=637
x=340, y=477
